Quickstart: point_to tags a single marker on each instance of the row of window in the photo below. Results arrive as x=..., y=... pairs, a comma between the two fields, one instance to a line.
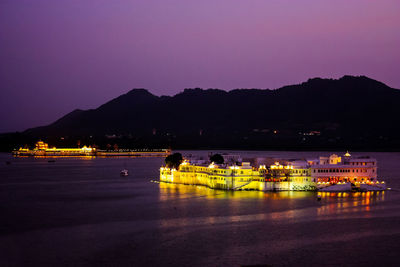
x=300, y=171
x=339, y=170
x=237, y=180
x=361, y=163
x=214, y=171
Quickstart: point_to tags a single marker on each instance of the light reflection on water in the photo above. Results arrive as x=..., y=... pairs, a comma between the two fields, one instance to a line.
x=173, y=191
x=333, y=205
x=344, y=203
x=168, y=190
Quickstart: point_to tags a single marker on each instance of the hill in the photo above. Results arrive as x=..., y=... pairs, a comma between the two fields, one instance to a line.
x=347, y=113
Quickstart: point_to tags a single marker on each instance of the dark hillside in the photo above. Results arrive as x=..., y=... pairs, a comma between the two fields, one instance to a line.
x=351, y=112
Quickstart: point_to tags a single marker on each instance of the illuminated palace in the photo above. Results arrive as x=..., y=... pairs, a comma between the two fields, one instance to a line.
x=332, y=173
x=42, y=149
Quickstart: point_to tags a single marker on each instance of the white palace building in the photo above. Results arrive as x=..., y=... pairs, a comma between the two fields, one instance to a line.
x=335, y=169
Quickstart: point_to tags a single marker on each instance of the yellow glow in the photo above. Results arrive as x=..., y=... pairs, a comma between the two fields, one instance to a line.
x=83, y=149
x=276, y=166
x=172, y=191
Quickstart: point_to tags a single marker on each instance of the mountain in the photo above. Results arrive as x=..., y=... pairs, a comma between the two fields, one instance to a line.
x=347, y=113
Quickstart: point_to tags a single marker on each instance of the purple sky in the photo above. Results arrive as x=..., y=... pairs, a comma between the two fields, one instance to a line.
x=56, y=56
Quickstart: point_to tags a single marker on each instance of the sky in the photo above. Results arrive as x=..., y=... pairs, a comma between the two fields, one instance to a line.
x=57, y=56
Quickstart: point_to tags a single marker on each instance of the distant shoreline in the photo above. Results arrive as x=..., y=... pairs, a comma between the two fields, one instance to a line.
x=241, y=150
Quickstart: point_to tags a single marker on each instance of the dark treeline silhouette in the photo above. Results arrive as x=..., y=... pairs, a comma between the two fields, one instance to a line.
x=355, y=113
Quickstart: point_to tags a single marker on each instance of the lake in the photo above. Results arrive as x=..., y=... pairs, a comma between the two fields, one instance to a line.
x=80, y=212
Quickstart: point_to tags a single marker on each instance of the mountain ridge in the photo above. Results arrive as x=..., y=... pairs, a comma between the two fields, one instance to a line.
x=345, y=111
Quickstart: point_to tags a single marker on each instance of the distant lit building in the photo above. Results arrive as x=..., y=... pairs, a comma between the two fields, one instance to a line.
x=41, y=145
x=43, y=150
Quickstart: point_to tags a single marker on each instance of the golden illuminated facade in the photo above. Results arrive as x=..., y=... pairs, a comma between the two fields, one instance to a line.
x=41, y=145
x=42, y=150
x=244, y=177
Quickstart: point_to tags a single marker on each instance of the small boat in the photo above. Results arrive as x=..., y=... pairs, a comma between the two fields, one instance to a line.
x=124, y=172
x=8, y=162
x=51, y=160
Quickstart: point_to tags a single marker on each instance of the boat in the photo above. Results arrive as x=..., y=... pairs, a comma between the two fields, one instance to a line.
x=373, y=186
x=339, y=187
x=124, y=172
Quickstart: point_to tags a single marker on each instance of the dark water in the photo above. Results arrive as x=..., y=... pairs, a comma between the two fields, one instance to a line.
x=76, y=212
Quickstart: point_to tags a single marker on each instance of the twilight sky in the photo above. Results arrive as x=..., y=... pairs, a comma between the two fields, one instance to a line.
x=56, y=55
